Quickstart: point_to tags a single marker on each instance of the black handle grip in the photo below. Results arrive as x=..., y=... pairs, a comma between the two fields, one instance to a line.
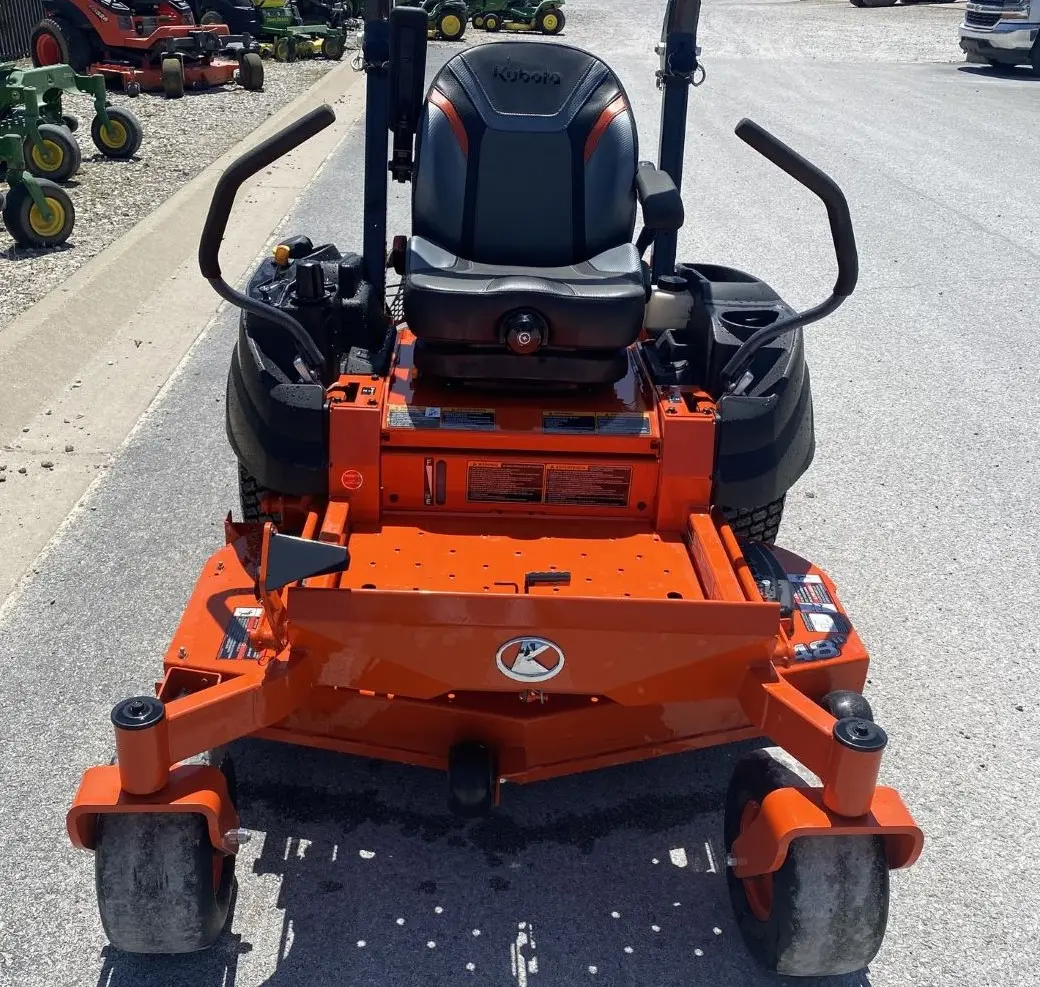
x=243, y=169
x=819, y=184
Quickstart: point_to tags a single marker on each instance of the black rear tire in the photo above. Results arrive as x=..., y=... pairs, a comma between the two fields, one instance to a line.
x=756, y=523
x=251, y=492
x=828, y=901
x=158, y=889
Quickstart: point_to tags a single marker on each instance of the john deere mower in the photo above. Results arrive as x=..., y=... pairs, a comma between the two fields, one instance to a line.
x=278, y=24
x=522, y=525
x=546, y=17
x=144, y=45
x=36, y=212
x=30, y=105
x=446, y=19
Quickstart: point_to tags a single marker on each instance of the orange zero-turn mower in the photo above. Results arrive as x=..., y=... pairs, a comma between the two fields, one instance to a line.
x=145, y=45
x=523, y=525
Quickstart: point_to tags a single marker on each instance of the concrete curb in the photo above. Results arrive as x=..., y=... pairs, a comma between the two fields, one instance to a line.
x=79, y=368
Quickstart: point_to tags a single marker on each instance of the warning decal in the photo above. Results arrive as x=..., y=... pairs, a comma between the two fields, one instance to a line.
x=809, y=591
x=568, y=423
x=623, y=424
x=235, y=645
x=514, y=483
x=594, y=486
x=587, y=423
x=456, y=419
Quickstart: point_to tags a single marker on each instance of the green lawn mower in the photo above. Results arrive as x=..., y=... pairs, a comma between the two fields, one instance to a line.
x=447, y=18
x=37, y=212
x=279, y=26
x=31, y=111
x=502, y=15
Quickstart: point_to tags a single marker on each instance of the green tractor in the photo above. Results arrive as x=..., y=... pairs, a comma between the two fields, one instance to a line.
x=278, y=25
x=447, y=18
x=37, y=212
x=546, y=17
x=31, y=110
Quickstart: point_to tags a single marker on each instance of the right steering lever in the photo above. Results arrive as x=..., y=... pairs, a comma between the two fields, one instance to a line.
x=822, y=185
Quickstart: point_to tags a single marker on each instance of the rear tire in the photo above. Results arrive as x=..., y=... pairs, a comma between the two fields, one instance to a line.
x=251, y=493
x=211, y=17
x=173, y=78
x=56, y=42
x=492, y=23
x=756, y=523
x=825, y=911
x=551, y=22
x=160, y=885
x=332, y=47
x=451, y=26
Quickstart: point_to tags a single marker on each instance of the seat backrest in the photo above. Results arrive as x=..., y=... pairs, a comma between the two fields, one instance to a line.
x=526, y=155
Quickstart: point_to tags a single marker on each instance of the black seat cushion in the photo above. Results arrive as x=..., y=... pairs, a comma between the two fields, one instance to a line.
x=525, y=155
x=594, y=304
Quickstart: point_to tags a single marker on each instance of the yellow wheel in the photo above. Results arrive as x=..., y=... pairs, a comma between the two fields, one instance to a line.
x=283, y=50
x=121, y=137
x=451, y=27
x=30, y=225
x=55, y=156
x=551, y=21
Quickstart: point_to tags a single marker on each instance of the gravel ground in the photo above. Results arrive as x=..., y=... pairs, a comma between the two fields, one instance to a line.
x=181, y=138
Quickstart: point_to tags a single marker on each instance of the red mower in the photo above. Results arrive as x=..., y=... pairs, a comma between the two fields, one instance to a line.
x=145, y=44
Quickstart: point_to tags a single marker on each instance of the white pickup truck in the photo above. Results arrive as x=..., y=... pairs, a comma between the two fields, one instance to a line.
x=1002, y=32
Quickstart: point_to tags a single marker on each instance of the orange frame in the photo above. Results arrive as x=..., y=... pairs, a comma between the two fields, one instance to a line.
x=669, y=644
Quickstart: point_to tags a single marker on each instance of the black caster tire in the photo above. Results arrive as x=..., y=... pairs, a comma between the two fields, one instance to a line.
x=57, y=157
x=70, y=122
x=825, y=911
x=133, y=89
x=251, y=72
x=122, y=138
x=843, y=703
x=492, y=23
x=26, y=223
x=478, y=21
x=472, y=776
x=161, y=886
x=173, y=78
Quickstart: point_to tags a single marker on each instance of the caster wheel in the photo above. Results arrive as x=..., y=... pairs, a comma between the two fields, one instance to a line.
x=824, y=912
x=57, y=155
x=121, y=138
x=251, y=72
x=493, y=23
x=133, y=89
x=161, y=887
x=472, y=777
x=173, y=78
x=71, y=123
x=332, y=48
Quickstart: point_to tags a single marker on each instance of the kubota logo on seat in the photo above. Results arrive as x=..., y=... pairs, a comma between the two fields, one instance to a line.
x=529, y=659
x=511, y=73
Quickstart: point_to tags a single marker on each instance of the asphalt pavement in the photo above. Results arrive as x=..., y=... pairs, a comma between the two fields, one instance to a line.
x=922, y=504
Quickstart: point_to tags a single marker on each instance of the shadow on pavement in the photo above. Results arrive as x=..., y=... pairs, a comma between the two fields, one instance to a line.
x=612, y=877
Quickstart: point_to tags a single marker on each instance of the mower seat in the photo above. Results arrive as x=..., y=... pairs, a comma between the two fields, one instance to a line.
x=524, y=208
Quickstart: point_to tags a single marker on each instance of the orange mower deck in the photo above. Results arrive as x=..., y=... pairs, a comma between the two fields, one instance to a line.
x=657, y=637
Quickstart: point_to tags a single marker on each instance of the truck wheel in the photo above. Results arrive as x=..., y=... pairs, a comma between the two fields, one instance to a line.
x=825, y=911
x=161, y=886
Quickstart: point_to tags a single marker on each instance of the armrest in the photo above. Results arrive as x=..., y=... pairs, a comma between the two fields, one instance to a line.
x=659, y=199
